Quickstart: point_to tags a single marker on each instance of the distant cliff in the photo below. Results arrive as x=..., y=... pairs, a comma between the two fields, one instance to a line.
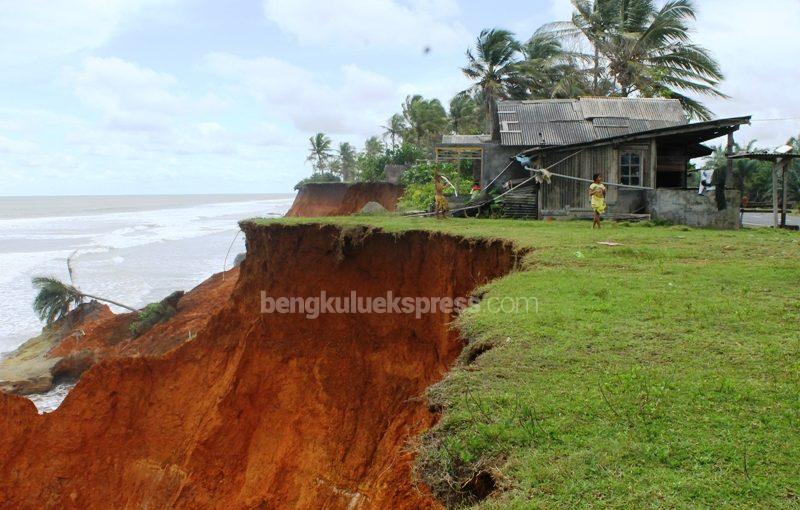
x=342, y=199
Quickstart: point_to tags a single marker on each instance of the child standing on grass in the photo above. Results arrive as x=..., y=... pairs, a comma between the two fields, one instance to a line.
x=597, y=191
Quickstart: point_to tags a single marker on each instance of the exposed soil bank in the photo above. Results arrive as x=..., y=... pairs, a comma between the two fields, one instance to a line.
x=263, y=410
x=92, y=333
x=342, y=199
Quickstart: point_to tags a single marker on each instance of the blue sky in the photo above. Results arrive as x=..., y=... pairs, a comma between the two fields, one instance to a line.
x=202, y=96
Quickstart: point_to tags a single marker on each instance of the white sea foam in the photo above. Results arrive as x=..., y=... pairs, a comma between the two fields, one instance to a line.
x=133, y=256
x=49, y=402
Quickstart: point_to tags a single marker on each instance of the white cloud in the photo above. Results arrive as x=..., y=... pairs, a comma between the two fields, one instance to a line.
x=355, y=101
x=132, y=97
x=371, y=23
x=33, y=29
x=116, y=86
x=561, y=10
x=12, y=146
x=757, y=45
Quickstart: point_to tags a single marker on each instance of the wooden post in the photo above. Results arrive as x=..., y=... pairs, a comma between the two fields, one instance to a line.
x=653, y=164
x=784, y=188
x=721, y=180
x=775, y=170
x=729, y=152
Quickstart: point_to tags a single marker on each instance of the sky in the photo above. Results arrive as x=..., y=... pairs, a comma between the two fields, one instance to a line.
x=203, y=96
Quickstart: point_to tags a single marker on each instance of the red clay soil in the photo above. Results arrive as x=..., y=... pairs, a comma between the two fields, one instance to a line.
x=110, y=336
x=266, y=411
x=341, y=199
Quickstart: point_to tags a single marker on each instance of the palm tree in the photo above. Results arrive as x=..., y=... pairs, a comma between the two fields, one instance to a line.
x=347, y=161
x=56, y=298
x=493, y=65
x=395, y=128
x=745, y=171
x=464, y=114
x=426, y=118
x=548, y=70
x=593, y=21
x=320, y=152
x=647, y=51
x=373, y=147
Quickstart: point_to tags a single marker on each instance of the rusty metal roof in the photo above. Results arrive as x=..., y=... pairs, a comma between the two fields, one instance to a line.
x=554, y=122
x=456, y=139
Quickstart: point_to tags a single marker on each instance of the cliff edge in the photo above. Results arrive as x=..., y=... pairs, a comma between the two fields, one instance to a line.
x=264, y=410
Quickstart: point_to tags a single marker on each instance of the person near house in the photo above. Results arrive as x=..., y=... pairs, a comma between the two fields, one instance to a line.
x=440, y=203
x=475, y=191
x=743, y=206
x=597, y=190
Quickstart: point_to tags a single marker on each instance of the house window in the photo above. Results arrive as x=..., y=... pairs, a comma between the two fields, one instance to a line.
x=630, y=168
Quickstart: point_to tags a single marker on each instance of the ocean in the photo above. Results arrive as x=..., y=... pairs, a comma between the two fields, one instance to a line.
x=132, y=249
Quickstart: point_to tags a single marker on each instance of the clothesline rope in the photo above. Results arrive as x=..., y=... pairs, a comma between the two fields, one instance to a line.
x=502, y=194
x=618, y=185
x=544, y=172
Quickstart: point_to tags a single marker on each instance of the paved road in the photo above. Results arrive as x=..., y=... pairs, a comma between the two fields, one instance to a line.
x=765, y=219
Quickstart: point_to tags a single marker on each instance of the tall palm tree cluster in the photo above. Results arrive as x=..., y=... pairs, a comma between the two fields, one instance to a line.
x=324, y=159
x=609, y=48
x=407, y=136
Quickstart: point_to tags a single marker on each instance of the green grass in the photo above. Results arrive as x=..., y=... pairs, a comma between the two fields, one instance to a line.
x=664, y=373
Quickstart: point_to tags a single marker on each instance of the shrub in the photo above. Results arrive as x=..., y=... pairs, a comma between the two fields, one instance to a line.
x=318, y=177
x=370, y=167
x=151, y=315
x=419, y=188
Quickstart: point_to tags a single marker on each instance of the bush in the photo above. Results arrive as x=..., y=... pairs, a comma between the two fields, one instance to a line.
x=419, y=188
x=318, y=177
x=151, y=315
x=370, y=167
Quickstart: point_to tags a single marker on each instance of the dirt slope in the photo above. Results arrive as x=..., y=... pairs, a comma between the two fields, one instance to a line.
x=341, y=199
x=266, y=411
x=92, y=333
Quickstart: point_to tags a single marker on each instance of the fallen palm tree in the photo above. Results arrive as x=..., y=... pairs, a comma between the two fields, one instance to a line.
x=56, y=298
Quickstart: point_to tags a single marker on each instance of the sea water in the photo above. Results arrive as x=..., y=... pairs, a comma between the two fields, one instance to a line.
x=132, y=249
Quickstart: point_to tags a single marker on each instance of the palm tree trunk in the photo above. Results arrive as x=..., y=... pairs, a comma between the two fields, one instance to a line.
x=596, y=71
x=132, y=309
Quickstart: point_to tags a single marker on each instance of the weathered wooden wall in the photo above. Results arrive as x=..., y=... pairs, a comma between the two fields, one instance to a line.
x=564, y=193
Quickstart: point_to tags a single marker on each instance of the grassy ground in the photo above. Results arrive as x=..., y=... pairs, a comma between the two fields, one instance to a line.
x=664, y=373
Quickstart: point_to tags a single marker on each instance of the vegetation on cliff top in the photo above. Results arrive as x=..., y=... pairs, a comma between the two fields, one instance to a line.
x=663, y=372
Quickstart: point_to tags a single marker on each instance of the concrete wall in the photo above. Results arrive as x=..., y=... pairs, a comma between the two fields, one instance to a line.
x=495, y=159
x=686, y=207
x=628, y=201
x=392, y=173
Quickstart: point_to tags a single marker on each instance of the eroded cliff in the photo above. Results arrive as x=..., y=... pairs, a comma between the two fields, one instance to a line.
x=264, y=410
x=342, y=199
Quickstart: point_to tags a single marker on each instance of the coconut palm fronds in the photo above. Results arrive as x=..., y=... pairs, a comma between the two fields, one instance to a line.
x=55, y=298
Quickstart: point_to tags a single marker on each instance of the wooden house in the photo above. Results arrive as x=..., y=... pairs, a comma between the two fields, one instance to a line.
x=642, y=145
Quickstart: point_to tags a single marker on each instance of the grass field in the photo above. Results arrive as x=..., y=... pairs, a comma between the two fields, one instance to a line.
x=663, y=373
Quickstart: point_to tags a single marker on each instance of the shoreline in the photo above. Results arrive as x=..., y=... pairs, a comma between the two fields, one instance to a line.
x=68, y=206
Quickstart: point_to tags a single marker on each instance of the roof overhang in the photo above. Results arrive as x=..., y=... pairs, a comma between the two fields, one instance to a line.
x=764, y=156
x=691, y=134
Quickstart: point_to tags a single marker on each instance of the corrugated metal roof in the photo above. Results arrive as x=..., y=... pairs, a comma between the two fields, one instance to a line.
x=569, y=121
x=465, y=139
